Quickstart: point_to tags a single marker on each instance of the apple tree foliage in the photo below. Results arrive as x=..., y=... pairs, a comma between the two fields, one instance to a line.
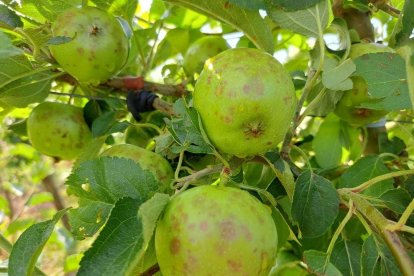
x=339, y=188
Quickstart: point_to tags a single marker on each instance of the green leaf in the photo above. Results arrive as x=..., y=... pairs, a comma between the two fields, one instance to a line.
x=394, y=145
x=377, y=259
x=57, y=40
x=346, y=256
x=176, y=41
x=308, y=22
x=282, y=228
x=108, y=123
x=248, y=21
x=249, y=4
x=7, y=49
x=45, y=10
x=118, y=244
x=29, y=245
x=363, y=170
x=318, y=264
x=89, y=217
x=123, y=241
x=187, y=131
x=337, y=78
x=148, y=214
x=284, y=174
x=328, y=144
x=327, y=103
x=315, y=200
x=289, y=5
x=123, y=8
x=396, y=199
x=9, y=19
x=37, y=38
x=21, y=84
x=99, y=183
x=386, y=78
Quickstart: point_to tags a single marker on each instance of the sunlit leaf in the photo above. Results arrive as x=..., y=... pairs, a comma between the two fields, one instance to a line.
x=20, y=83
x=99, y=183
x=289, y=5
x=328, y=143
x=30, y=244
x=308, y=22
x=248, y=21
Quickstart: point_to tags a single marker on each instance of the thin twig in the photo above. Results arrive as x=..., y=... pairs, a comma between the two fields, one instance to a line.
x=151, y=271
x=306, y=90
x=377, y=179
x=180, y=182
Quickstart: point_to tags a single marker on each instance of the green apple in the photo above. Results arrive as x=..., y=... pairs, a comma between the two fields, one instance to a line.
x=147, y=160
x=98, y=49
x=201, y=50
x=58, y=130
x=246, y=101
x=349, y=108
x=210, y=230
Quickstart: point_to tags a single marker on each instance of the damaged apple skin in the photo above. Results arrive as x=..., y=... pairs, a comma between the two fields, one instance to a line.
x=246, y=101
x=210, y=230
x=98, y=48
x=58, y=130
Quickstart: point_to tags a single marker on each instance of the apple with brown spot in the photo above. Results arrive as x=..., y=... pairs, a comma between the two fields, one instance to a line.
x=211, y=230
x=58, y=130
x=350, y=106
x=246, y=100
x=147, y=160
x=98, y=49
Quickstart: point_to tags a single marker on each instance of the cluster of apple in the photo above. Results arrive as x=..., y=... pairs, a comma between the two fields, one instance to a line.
x=246, y=100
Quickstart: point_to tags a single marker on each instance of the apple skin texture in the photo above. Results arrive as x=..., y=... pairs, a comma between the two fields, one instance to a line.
x=210, y=230
x=246, y=101
x=349, y=107
x=58, y=130
x=99, y=47
x=147, y=160
x=201, y=50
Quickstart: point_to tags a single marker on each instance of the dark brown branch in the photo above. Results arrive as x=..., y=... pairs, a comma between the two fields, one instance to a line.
x=355, y=19
x=50, y=185
x=151, y=271
x=135, y=83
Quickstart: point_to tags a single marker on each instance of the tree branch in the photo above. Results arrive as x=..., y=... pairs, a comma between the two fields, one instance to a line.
x=50, y=186
x=380, y=224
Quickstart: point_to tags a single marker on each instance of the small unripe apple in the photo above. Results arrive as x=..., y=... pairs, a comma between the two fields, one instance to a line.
x=349, y=107
x=58, y=130
x=98, y=49
x=210, y=230
x=147, y=160
x=246, y=101
x=201, y=50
